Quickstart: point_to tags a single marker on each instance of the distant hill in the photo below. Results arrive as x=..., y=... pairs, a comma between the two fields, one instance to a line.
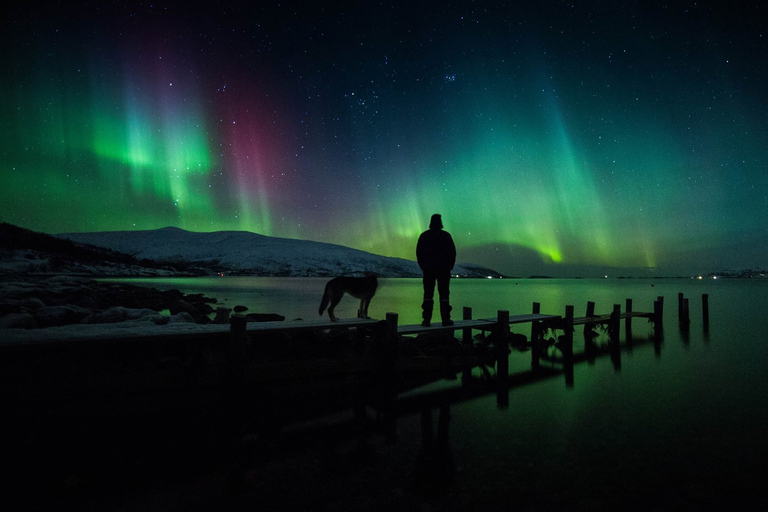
x=23, y=251
x=246, y=253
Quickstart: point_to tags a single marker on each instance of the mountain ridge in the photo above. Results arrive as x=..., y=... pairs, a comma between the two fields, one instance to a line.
x=248, y=253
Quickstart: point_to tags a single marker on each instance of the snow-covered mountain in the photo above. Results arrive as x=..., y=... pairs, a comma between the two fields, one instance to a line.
x=242, y=252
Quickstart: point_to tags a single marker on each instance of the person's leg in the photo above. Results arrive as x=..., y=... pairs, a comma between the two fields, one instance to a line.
x=443, y=289
x=428, y=302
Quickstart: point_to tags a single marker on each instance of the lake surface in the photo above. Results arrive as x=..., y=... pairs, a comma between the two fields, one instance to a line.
x=680, y=428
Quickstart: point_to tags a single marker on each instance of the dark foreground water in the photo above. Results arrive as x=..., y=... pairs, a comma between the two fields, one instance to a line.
x=680, y=428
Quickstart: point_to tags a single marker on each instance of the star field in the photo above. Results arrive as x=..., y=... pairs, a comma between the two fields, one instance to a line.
x=608, y=135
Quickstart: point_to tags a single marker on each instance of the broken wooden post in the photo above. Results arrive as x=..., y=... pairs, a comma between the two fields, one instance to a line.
x=628, y=321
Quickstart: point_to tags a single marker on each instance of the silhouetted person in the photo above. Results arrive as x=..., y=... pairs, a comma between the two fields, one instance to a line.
x=436, y=254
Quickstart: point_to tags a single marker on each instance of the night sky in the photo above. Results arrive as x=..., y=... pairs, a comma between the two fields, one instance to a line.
x=550, y=134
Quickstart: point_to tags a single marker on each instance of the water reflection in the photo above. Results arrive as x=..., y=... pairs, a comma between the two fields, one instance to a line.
x=387, y=420
x=435, y=468
x=664, y=433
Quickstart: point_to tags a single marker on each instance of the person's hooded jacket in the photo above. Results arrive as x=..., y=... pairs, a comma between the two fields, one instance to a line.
x=435, y=250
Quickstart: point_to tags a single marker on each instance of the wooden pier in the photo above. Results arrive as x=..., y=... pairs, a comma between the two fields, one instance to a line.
x=270, y=364
x=240, y=343
x=75, y=399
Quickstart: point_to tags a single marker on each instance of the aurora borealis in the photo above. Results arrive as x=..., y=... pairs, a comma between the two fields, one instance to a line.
x=599, y=134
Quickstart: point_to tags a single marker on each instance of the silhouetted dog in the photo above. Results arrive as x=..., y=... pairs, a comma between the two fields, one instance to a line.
x=363, y=288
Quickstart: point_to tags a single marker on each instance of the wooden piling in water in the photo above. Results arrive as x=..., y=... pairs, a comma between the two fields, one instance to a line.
x=658, y=318
x=535, y=327
x=684, y=313
x=628, y=321
x=466, y=335
x=615, y=323
x=536, y=340
x=614, y=342
x=502, y=362
x=566, y=347
x=466, y=340
x=590, y=312
x=238, y=339
x=705, y=310
x=502, y=344
x=566, y=342
x=390, y=341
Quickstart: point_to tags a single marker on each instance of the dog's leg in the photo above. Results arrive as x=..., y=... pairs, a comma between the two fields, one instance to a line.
x=364, y=307
x=361, y=309
x=334, y=302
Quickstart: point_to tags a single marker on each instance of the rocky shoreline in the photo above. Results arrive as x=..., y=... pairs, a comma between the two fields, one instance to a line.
x=39, y=302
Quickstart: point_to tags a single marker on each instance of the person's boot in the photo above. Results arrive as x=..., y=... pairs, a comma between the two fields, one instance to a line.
x=426, y=312
x=445, y=313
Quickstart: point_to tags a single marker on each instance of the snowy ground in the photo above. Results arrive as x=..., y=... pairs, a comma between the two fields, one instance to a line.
x=119, y=330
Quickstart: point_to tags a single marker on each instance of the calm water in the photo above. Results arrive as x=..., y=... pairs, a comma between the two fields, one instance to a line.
x=674, y=430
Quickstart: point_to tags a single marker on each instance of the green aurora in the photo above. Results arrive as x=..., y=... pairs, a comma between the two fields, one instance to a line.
x=558, y=137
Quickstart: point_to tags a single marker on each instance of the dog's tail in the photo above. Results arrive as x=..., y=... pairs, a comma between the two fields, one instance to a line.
x=325, y=301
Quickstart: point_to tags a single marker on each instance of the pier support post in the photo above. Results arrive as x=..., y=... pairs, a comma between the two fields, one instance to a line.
x=502, y=359
x=222, y=315
x=615, y=323
x=536, y=340
x=590, y=312
x=466, y=340
x=238, y=338
x=234, y=399
x=705, y=310
x=685, y=319
x=658, y=323
x=466, y=335
x=566, y=347
x=502, y=344
x=390, y=338
x=614, y=344
x=535, y=326
x=628, y=321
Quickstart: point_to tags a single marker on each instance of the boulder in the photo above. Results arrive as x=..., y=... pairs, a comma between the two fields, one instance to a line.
x=120, y=314
x=18, y=321
x=264, y=317
x=31, y=303
x=182, y=317
x=222, y=315
x=182, y=306
x=51, y=316
x=21, y=305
